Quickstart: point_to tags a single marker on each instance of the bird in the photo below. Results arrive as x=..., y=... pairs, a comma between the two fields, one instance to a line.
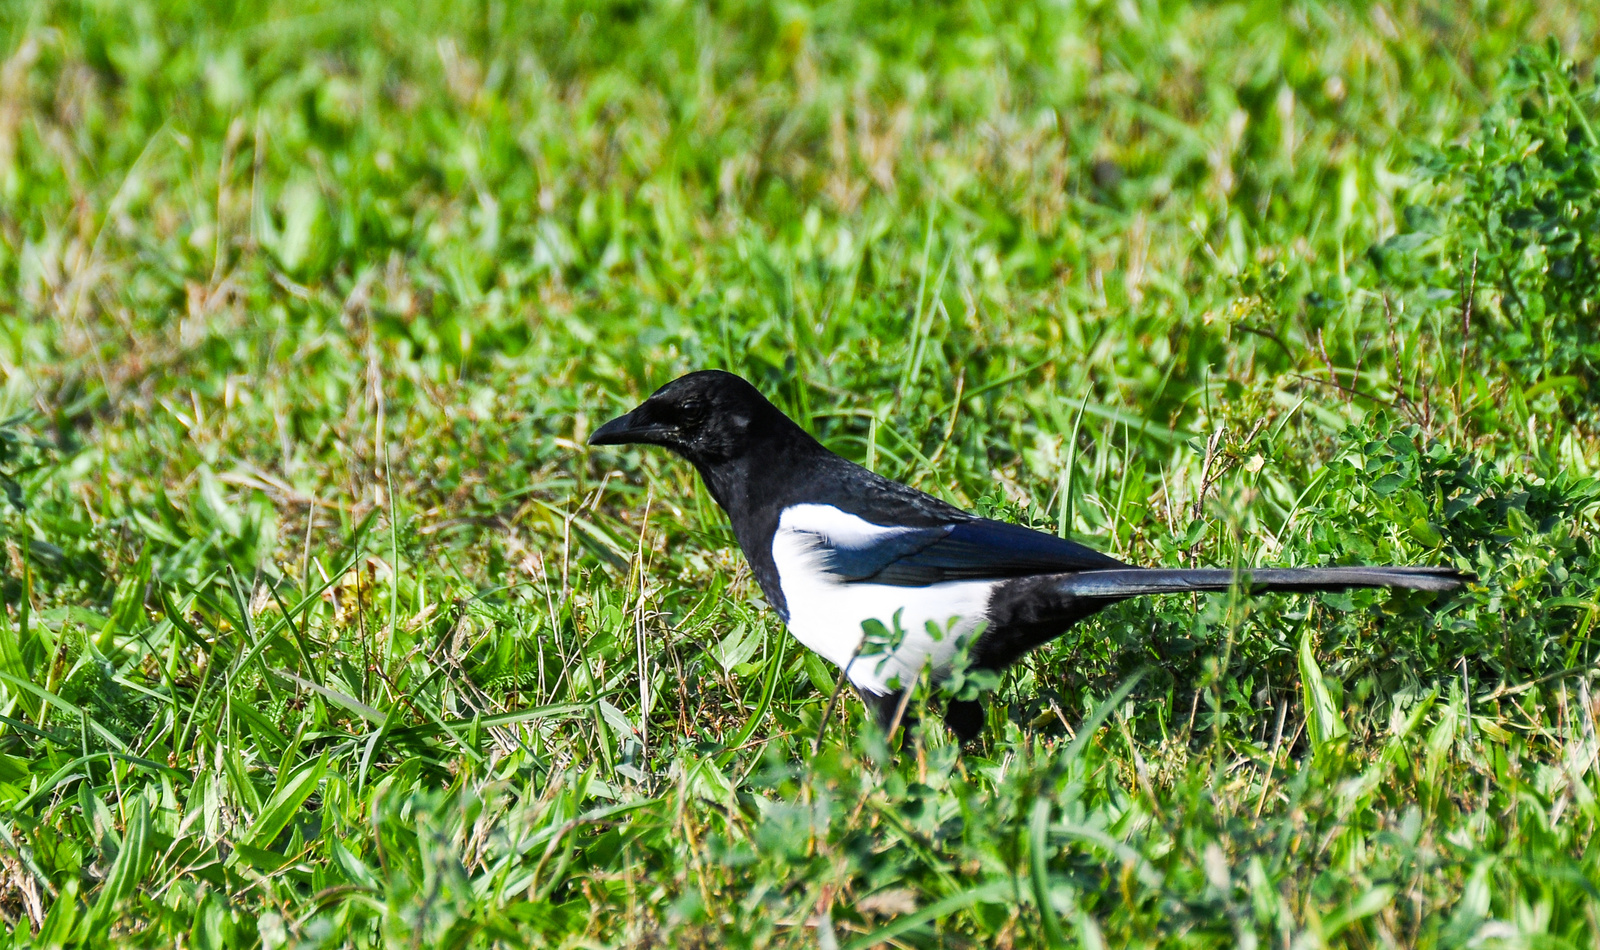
x=835, y=546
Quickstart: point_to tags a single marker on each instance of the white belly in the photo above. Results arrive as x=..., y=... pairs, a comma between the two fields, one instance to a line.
x=826, y=613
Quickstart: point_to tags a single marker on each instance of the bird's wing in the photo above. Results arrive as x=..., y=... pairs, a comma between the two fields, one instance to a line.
x=976, y=549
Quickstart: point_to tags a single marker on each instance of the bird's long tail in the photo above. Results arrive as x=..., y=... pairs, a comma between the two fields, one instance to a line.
x=1030, y=611
x=1134, y=582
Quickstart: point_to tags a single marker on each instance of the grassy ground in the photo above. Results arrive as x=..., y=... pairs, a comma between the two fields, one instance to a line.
x=322, y=628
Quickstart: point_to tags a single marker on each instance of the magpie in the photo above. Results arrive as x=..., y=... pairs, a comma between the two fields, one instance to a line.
x=834, y=546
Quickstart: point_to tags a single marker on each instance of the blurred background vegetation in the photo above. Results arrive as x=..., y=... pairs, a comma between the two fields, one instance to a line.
x=322, y=628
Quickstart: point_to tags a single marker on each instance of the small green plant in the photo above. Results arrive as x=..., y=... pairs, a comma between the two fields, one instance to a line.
x=1508, y=237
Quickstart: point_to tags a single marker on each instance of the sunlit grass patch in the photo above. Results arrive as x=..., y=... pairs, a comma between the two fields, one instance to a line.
x=322, y=628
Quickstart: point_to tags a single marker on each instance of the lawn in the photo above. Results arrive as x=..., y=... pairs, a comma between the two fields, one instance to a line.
x=323, y=627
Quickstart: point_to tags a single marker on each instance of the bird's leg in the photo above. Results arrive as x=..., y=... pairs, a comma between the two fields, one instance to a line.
x=964, y=717
x=881, y=707
x=884, y=708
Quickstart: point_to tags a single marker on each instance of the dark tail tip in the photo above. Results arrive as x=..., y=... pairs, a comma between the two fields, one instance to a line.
x=1427, y=578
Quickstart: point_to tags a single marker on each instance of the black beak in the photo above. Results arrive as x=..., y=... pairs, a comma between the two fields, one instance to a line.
x=626, y=429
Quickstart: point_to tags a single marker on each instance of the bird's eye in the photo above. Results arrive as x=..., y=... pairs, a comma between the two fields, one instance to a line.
x=692, y=410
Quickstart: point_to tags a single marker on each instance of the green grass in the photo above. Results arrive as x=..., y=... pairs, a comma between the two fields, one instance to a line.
x=322, y=628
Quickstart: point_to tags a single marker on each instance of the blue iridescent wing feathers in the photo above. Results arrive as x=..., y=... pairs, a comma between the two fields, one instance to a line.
x=968, y=550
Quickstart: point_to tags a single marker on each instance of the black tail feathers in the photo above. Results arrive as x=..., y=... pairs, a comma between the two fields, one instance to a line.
x=1134, y=582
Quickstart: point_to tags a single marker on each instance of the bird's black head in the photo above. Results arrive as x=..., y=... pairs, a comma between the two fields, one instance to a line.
x=709, y=417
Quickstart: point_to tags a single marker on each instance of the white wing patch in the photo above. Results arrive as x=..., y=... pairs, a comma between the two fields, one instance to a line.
x=826, y=613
